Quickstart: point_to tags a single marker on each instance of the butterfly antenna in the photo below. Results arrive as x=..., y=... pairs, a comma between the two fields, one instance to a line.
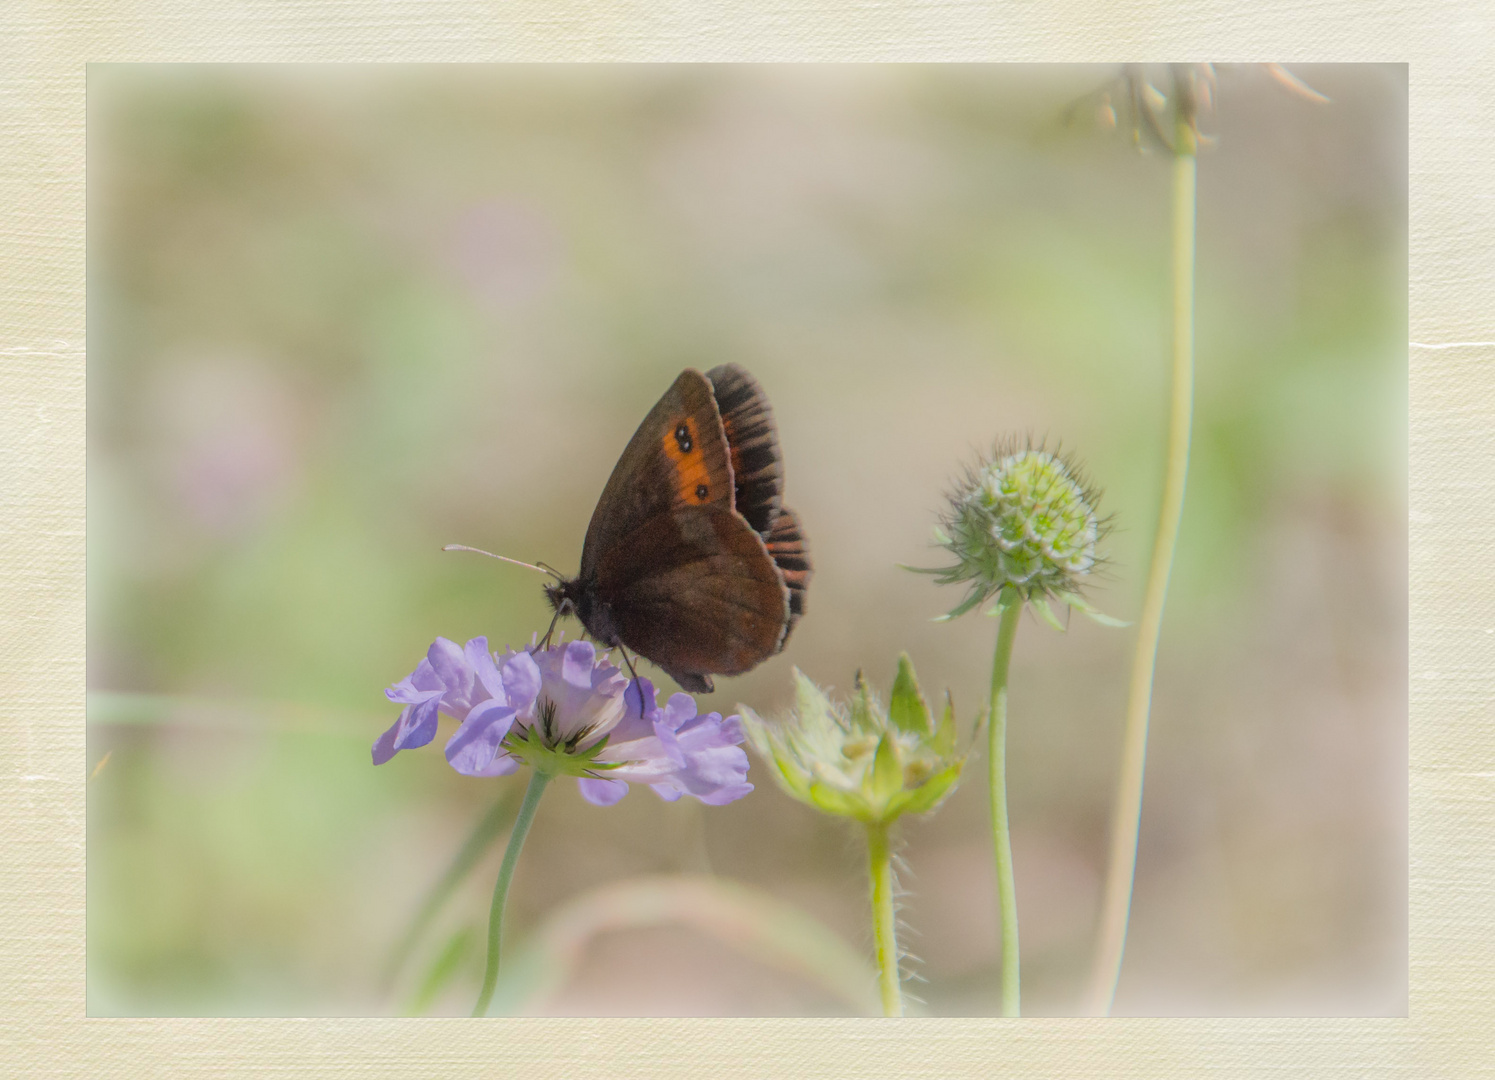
x=541, y=567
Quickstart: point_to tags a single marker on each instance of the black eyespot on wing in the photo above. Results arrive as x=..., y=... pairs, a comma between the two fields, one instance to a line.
x=702, y=491
x=791, y=554
x=682, y=439
x=757, y=470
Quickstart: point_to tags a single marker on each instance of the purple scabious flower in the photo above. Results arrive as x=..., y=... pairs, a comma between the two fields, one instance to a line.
x=564, y=711
x=559, y=702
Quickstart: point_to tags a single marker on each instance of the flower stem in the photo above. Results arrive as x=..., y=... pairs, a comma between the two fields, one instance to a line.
x=884, y=933
x=537, y=782
x=1127, y=814
x=1012, y=608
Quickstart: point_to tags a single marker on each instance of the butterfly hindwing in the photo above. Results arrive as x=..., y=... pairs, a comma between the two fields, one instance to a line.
x=791, y=554
x=696, y=592
x=753, y=441
x=758, y=479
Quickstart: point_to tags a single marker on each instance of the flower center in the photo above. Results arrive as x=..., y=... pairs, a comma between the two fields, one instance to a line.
x=545, y=714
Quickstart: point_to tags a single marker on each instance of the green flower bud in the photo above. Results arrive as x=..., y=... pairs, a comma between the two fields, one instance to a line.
x=1025, y=522
x=857, y=759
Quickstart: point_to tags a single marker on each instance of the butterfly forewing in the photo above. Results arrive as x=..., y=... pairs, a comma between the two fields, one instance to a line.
x=676, y=459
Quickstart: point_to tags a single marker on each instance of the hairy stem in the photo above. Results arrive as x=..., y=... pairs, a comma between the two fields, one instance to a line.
x=1127, y=814
x=884, y=933
x=1012, y=608
x=537, y=782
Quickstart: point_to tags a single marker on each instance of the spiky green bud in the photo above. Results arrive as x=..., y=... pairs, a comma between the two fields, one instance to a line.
x=858, y=759
x=1023, y=521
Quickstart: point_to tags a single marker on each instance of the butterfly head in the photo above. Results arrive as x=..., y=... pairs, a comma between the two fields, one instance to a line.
x=563, y=595
x=578, y=596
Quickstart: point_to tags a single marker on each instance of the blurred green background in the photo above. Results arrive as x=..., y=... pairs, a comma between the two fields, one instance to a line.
x=339, y=317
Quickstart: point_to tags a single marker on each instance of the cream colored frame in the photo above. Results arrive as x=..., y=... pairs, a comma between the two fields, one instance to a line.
x=44, y=48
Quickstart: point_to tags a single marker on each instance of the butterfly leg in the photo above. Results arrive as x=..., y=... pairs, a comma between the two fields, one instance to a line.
x=631, y=670
x=545, y=641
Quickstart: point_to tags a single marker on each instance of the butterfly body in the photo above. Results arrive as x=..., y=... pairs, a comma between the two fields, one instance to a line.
x=691, y=560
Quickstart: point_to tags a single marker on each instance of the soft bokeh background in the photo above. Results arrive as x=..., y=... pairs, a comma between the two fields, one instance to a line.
x=340, y=317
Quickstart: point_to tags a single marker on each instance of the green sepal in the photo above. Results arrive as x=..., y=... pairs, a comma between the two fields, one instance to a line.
x=1046, y=613
x=835, y=801
x=757, y=731
x=942, y=537
x=927, y=795
x=556, y=761
x=1083, y=607
x=810, y=702
x=943, y=742
x=863, y=714
x=960, y=609
x=793, y=776
x=907, y=707
x=887, y=773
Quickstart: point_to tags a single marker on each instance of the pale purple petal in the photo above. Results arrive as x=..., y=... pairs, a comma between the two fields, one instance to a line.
x=732, y=731
x=503, y=764
x=680, y=709
x=469, y=675
x=601, y=792
x=638, y=715
x=715, y=768
x=710, y=732
x=449, y=661
x=578, y=658
x=472, y=749
x=481, y=661
x=384, y=745
x=416, y=686
x=639, y=761
x=723, y=795
x=716, y=777
x=416, y=726
x=686, y=754
x=521, y=680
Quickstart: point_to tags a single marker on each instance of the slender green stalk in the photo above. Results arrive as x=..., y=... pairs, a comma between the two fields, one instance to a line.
x=997, y=777
x=884, y=933
x=486, y=832
x=1127, y=814
x=537, y=782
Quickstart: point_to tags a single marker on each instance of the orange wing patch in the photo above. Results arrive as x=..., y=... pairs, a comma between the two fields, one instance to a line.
x=682, y=445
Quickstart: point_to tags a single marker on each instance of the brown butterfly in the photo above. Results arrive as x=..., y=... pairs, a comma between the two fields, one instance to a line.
x=691, y=560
